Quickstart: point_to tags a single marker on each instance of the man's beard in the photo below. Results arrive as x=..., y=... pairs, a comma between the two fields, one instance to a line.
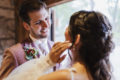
x=38, y=36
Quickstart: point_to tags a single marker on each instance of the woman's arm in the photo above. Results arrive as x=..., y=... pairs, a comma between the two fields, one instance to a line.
x=58, y=75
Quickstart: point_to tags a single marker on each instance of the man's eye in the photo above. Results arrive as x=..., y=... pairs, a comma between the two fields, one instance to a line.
x=38, y=23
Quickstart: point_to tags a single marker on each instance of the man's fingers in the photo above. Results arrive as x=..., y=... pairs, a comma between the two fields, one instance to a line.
x=57, y=43
x=62, y=49
x=58, y=47
x=62, y=58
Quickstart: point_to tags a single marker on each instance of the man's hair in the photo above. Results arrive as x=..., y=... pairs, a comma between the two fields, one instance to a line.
x=30, y=6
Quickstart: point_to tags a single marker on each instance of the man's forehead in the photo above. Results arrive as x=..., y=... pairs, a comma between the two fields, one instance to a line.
x=44, y=12
x=39, y=14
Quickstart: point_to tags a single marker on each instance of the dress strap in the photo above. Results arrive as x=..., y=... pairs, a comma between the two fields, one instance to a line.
x=72, y=71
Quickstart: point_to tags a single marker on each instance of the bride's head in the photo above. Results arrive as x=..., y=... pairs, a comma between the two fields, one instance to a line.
x=90, y=33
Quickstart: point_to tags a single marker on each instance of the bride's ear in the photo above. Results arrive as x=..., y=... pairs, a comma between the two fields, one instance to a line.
x=77, y=39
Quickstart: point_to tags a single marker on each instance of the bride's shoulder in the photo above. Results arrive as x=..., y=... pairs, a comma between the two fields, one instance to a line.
x=78, y=74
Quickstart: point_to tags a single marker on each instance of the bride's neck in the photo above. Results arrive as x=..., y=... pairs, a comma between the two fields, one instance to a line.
x=76, y=57
x=80, y=67
x=78, y=61
x=82, y=70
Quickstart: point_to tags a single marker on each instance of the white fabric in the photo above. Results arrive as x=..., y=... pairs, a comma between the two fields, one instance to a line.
x=72, y=70
x=32, y=69
x=42, y=40
x=42, y=46
x=35, y=68
x=66, y=63
x=39, y=45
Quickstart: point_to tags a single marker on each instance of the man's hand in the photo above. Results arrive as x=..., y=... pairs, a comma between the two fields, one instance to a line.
x=57, y=49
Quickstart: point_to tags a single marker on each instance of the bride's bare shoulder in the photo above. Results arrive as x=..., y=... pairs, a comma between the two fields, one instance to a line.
x=57, y=75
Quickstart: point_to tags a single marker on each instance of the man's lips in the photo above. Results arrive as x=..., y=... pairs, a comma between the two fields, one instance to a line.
x=44, y=31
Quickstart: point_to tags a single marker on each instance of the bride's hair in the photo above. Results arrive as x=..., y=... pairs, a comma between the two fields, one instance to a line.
x=95, y=35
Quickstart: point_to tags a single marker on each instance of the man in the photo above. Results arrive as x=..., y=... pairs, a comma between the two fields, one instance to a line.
x=36, y=21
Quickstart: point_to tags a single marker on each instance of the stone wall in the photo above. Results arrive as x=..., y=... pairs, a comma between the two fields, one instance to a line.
x=7, y=24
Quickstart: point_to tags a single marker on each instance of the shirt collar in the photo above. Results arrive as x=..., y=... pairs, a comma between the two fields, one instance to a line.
x=38, y=41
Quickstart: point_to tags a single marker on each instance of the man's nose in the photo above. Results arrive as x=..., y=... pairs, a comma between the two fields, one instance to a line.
x=45, y=24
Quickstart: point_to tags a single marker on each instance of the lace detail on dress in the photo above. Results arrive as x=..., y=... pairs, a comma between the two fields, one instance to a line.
x=32, y=69
x=72, y=71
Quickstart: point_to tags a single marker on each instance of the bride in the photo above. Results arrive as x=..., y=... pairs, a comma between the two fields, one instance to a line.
x=90, y=35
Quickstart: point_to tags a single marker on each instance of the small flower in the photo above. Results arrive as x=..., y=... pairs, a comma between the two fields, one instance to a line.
x=30, y=53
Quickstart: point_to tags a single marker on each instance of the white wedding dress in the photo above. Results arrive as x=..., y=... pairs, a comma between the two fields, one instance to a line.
x=31, y=70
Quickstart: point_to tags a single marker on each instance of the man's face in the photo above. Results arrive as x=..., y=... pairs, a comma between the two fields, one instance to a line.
x=39, y=23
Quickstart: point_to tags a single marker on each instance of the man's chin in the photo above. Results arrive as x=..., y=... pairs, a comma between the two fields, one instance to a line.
x=42, y=36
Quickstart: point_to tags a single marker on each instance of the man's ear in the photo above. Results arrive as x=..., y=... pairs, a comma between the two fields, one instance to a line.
x=26, y=26
x=77, y=39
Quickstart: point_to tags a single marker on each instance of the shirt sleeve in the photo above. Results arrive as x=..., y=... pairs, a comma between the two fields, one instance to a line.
x=7, y=65
x=45, y=63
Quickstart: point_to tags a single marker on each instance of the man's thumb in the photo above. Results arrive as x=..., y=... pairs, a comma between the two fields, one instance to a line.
x=62, y=58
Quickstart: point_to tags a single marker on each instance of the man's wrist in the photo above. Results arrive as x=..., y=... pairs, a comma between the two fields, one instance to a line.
x=49, y=61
